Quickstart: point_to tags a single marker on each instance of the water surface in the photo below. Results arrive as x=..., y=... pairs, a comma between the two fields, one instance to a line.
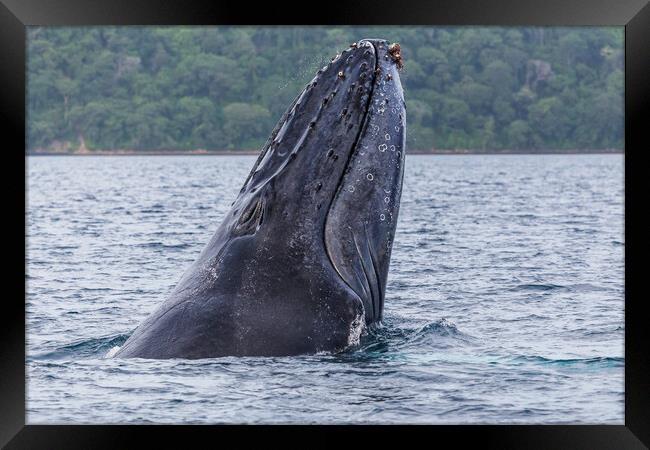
x=504, y=301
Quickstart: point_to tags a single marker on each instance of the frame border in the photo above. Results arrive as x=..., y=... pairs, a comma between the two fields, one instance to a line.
x=16, y=15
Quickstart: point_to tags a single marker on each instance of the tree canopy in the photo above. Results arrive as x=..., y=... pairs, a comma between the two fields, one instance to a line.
x=153, y=88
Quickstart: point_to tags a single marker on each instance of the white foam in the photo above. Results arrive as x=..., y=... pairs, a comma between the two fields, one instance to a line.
x=112, y=352
x=356, y=328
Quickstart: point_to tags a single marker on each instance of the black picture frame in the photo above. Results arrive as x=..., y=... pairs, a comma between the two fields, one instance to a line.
x=16, y=15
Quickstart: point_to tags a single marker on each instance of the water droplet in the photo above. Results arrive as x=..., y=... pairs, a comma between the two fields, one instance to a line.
x=392, y=148
x=351, y=189
x=387, y=137
x=370, y=177
x=382, y=217
x=386, y=200
x=382, y=147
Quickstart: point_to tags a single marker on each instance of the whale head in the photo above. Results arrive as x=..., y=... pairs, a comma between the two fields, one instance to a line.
x=329, y=179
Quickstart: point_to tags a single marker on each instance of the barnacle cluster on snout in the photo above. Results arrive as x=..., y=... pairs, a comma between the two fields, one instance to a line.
x=394, y=52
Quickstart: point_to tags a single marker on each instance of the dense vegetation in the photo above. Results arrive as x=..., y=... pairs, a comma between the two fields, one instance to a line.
x=146, y=88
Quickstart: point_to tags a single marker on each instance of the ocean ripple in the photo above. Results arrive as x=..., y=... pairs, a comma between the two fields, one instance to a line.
x=504, y=301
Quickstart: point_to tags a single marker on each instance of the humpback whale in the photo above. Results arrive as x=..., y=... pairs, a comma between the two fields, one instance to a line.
x=299, y=264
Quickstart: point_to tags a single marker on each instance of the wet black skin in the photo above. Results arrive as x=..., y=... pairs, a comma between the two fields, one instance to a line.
x=299, y=264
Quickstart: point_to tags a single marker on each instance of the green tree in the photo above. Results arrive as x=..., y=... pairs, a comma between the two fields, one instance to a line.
x=151, y=88
x=243, y=122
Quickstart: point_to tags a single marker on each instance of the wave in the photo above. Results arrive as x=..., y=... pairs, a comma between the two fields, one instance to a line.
x=440, y=333
x=614, y=330
x=161, y=245
x=86, y=348
x=596, y=362
x=538, y=287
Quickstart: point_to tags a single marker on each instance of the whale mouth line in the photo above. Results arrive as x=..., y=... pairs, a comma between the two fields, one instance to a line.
x=353, y=150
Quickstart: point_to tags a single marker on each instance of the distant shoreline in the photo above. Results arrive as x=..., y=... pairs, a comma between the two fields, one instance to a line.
x=257, y=152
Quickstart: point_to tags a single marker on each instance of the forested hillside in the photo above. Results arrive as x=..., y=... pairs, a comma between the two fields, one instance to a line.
x=153, y=88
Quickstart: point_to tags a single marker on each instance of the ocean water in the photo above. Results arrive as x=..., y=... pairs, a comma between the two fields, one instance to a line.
x=504, y=302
